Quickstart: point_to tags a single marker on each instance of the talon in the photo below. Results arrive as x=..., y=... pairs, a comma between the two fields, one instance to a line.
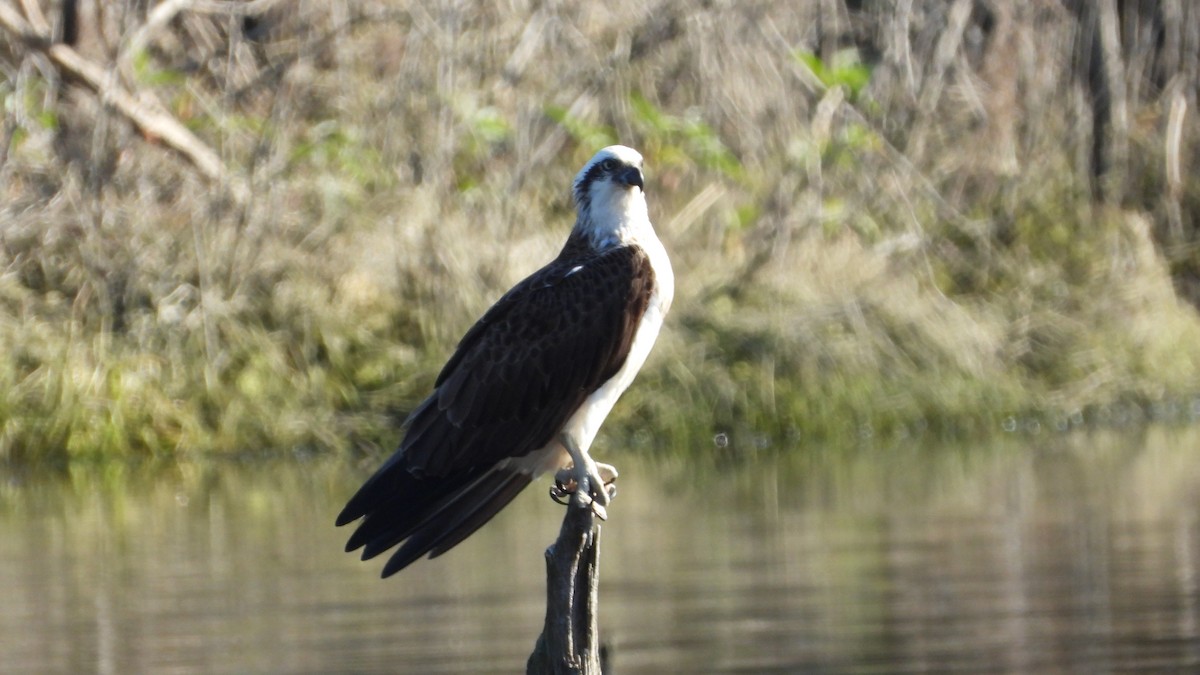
x=591, y=483
x=560, y=494
x=607, y=473
x=564, y=486
x=565, y=479
x=599, y=510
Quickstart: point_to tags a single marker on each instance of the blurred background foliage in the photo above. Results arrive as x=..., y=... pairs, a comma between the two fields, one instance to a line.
x=887, y=219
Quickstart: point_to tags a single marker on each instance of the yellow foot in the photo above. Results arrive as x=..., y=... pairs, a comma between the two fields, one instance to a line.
x=603, y=477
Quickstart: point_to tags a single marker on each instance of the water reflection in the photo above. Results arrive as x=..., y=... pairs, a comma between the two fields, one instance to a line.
x=1075, y=555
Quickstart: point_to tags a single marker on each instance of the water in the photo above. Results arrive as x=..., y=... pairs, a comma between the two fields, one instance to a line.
x=1075, y=554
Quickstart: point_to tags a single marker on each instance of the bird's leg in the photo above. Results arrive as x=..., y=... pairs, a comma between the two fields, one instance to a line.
x=592, y=483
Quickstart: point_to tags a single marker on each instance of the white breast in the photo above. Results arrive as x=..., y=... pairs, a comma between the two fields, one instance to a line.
x=585, y=423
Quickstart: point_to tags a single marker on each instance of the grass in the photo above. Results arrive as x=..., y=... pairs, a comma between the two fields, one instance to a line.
x=846, y=270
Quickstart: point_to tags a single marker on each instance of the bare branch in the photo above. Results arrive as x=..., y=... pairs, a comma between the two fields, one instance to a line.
x=1173, y=141
x=160, y=16
x=1114, y=74
x=166, y=11
x=935, y=81
x=142, y=108
x=34, y=12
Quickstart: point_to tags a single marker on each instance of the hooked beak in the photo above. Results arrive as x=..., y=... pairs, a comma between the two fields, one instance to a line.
x=630, y=177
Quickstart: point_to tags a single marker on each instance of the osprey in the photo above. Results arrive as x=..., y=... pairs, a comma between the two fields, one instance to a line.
x=530, y=383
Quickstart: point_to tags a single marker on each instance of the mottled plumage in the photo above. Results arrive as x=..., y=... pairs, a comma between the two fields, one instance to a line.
x=548, y=359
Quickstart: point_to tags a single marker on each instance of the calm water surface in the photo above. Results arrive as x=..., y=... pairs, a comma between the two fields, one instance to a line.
x=1077, y=554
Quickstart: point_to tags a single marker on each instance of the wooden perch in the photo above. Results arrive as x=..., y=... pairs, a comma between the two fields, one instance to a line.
x=570, y=639
x=142, y=109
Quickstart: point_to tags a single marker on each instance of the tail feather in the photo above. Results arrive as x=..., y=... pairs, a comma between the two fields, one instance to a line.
x=403, y=514
x=459, y=518
x=394, y=489
x=505, y=493
x=429, y=515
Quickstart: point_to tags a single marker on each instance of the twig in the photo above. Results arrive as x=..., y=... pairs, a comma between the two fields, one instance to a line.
x=143, y=110
x=156, y=20
x=166, y=11
x=34, y=12
x=1173, y=141
x=1117, y=141
x=934, y=82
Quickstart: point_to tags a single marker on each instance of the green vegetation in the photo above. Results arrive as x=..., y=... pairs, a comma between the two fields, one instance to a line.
x=870, y=241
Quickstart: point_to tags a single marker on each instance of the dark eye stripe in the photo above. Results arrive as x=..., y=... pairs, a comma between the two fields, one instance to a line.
x=597, y=170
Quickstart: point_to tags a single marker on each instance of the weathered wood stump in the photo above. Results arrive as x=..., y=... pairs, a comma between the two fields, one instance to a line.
x=570, y=639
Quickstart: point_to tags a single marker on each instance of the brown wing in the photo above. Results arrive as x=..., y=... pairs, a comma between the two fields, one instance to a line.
x=515, y=379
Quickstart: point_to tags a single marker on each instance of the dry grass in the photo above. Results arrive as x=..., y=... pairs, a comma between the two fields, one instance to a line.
x=922, y=253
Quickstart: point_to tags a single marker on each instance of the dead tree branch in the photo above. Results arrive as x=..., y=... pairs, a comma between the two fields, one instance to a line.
x=570, y=640
x=142, y=108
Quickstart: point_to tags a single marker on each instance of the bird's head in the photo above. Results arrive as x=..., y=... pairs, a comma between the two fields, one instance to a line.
x=609, y=192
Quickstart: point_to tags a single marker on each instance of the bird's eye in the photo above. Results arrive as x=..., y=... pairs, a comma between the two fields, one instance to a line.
x=608, y=164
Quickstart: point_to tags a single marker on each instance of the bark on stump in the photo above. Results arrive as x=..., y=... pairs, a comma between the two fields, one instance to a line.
x=570, y=639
